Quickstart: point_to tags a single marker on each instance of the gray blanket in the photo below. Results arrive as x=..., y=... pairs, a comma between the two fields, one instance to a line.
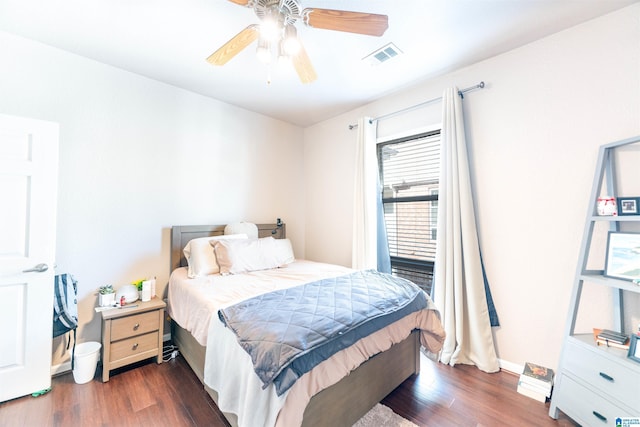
x=290, y=331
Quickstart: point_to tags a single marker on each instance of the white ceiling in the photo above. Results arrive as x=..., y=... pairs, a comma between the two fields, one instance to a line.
x=169, y=40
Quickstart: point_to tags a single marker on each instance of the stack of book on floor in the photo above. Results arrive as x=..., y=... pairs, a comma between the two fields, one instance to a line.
x=536, y=382
x=611, y=338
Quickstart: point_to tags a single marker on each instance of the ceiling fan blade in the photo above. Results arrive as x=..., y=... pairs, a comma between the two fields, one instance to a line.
x=240, y=2
x=369, y=24
x=234, y=46
x=303, y=66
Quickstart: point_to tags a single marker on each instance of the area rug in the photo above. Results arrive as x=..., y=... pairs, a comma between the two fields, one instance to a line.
x=382, y=416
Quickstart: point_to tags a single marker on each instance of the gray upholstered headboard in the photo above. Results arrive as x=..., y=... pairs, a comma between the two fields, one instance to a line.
x=181, y=234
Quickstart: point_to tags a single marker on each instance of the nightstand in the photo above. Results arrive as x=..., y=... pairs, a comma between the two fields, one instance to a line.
x=132, y=334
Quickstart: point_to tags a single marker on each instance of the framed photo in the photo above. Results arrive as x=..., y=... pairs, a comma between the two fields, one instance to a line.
x=634, y=348
x=628, y=205
x=623, y=256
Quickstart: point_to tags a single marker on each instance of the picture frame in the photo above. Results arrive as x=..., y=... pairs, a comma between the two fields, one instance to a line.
x=623, y=256
x=628, y=205
x=634, y=348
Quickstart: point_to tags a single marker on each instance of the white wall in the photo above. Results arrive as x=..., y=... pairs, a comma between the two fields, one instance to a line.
x=138, y=156
x=533, y=135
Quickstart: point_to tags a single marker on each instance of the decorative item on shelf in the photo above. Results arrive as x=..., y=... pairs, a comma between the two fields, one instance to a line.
x=623, y=256
x=128, y=292
x=106, y=296
x=606, y=206
x=634, y=348
x=146, y=289
x=138, y=285
x=153, y=286
x=628, y=206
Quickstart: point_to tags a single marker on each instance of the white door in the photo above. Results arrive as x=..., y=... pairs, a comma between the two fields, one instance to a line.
x=28, y=189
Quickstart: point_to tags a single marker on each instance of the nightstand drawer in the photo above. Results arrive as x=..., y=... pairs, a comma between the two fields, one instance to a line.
x=604, y=374
x=136, y=324
x=588, y=408
x=134, y=346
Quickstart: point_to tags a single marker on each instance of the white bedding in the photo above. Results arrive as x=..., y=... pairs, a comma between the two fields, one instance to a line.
x=193, y=304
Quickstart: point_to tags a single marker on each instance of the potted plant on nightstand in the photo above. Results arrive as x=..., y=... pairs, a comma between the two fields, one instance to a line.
x=138, y=285
x=106, y=296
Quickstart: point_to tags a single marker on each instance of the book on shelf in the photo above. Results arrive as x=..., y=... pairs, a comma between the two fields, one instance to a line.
x=607, y=341
x=537, y=375
x=527, y=390
x=607, y=335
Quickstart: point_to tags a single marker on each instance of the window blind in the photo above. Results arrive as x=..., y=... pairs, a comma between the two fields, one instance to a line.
x=409, y=174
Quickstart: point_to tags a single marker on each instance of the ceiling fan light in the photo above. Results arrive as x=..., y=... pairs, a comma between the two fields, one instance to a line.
x=284, y=59
x=290, y=43
x=270, y=28
x=263, y=51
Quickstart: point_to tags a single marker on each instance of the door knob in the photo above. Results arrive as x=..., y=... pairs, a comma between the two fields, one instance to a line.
x=40, y=268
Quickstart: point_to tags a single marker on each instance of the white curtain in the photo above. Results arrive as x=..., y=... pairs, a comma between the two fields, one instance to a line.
x=459, y=291
x=364, y=250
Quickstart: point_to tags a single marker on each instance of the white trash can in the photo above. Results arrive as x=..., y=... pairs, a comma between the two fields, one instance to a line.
x=87, y=355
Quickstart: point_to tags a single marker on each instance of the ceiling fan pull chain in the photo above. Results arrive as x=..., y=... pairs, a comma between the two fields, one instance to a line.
x=269, y=73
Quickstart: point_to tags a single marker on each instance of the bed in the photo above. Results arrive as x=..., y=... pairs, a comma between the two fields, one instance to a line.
x=317, y=398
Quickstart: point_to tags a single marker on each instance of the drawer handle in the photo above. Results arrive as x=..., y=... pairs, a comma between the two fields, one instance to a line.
x=135, y=346
x=137, y=325
x=599, y=416
x=606, y=377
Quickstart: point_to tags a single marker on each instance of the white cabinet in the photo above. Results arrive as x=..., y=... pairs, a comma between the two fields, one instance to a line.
x=594, y=384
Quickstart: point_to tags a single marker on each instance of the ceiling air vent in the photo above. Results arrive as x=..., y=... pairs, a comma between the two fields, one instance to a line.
x=383, y=54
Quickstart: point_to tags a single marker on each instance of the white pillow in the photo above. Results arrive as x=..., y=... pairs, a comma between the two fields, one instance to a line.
x=248, y=228
x=201, y=257
x=284, y=251
x=241, y=256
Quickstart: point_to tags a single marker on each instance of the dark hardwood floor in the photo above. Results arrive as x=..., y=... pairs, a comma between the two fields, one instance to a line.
x=447, y=396
x=171, y=395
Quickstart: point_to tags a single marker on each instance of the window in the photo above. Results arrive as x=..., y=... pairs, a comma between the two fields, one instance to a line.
x=409, y=174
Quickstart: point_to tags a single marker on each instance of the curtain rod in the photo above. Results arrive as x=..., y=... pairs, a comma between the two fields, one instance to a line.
x=461, y=92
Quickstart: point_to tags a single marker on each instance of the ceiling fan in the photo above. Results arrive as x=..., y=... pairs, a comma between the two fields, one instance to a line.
x=277, y=30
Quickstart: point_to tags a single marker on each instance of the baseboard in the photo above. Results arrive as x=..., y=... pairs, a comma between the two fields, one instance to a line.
x=514, y=368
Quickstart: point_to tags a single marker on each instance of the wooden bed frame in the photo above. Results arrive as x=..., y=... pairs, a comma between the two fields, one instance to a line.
x=343, y=403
